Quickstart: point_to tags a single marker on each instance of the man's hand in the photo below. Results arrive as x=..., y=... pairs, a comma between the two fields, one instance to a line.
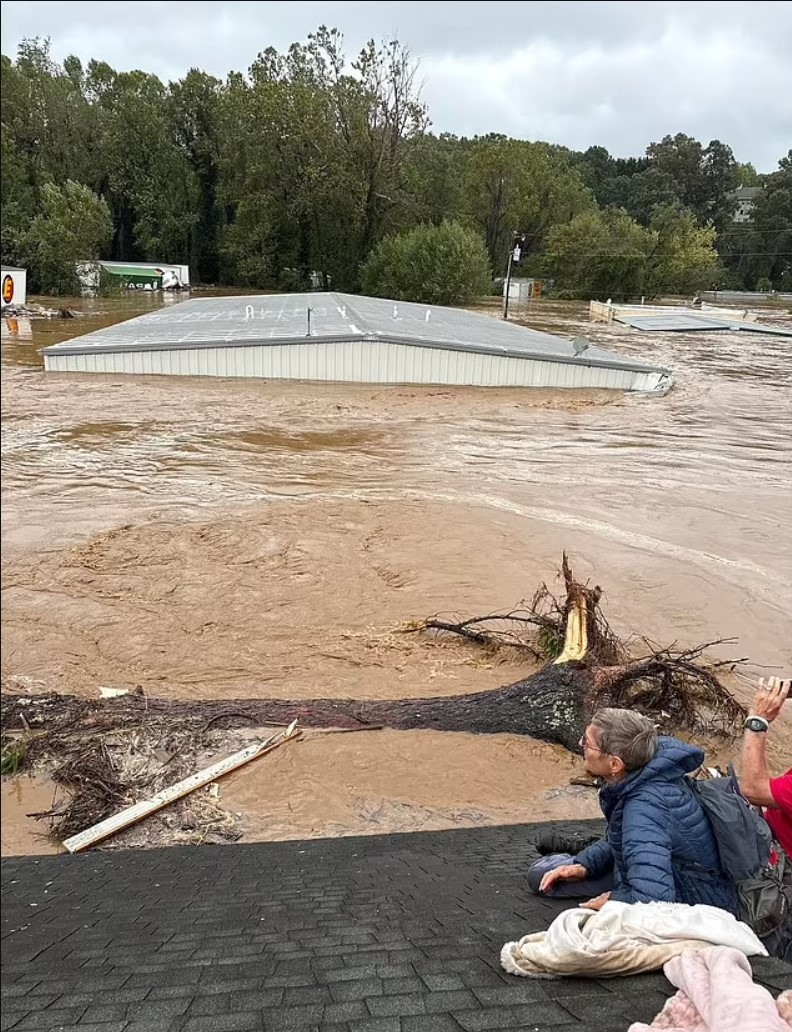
x=755, y=781
x=568, y=872
x=597, y=903
x=770, y=697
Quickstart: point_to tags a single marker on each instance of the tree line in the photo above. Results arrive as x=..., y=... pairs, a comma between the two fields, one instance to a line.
x=310, y=170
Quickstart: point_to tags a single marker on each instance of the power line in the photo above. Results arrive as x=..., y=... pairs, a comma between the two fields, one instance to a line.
x=655, y=254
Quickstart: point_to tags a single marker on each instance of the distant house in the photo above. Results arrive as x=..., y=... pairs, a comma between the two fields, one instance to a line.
x=135, y=275
x=14, y=286
x=745, y=196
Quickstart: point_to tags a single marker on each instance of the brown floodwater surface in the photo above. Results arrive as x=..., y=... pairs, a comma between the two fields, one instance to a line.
x=211, y=538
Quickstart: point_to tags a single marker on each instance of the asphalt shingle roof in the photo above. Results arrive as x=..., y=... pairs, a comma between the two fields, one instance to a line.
x=388, y=933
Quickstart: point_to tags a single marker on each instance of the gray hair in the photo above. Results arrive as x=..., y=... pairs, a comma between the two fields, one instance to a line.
x=630, y=736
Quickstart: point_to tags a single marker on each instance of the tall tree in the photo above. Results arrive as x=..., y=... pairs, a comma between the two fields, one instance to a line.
x=759, y=254
x=434, y=180
x=513, y=186
x=144, y=176
x=329, y=151
x=682, y=257
x=705, y=177
x=194, y=114
x=601, y=254
x=72, y=226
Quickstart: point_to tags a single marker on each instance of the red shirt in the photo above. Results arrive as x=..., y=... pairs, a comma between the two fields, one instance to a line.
x=780, y=820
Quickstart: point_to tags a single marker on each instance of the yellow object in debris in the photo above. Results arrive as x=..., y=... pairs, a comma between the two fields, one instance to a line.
x=576, y=638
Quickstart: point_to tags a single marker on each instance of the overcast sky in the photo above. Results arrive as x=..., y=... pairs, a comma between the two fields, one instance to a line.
x=617, y=74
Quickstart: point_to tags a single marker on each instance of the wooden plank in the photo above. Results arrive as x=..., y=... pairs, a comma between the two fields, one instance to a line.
x=112, y=825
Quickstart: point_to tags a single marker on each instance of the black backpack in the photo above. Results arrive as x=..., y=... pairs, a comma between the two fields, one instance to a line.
x=745, y=847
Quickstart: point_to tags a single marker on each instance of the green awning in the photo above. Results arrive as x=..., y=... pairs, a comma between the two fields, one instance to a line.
x=132, y=272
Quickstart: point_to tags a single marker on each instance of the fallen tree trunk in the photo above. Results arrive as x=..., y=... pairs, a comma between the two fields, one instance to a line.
x=553, y=705
x=587, y=668
x=547, y=705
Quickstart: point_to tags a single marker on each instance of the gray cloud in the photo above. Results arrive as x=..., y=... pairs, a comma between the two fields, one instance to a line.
x=615, y=74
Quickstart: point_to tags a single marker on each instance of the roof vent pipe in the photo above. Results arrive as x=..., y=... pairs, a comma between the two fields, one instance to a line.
x=248, y=312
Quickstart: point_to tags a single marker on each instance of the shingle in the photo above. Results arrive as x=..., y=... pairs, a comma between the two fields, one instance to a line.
x=293, y=1017
x=438, y=906
x=440, y=982
x=430, y=1023
x=351, y=1010
x=239, y=1021
x=453, y=999
x=343, y=991
x=388, y=1006
x=376, y=1025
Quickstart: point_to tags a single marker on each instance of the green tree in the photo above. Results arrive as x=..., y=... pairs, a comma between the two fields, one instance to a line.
x=598, y=254
x=46, y=134
x=767, y=249
x=640, y=194
x=705, y=177
x=17, y=196
x=747, y=175
x=682, y=258
x=326, y=141
x=435, y=189
x=443, y=265
x=194, y=114
x=143, y=174
x=73, y=226
x=515, y=185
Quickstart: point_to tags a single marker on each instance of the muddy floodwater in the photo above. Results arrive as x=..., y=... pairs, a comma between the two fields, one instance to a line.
x=207, y=538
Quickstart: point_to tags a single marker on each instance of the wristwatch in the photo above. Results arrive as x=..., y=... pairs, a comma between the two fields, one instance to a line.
x=758, y=724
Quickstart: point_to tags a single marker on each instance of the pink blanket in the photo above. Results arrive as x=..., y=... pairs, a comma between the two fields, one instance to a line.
x=717, y=993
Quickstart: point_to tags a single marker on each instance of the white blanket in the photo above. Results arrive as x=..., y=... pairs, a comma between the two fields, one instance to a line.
x=625, y=939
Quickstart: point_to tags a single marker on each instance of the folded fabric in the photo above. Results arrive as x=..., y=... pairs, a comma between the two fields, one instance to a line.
x=625, y=938
x=717, y=993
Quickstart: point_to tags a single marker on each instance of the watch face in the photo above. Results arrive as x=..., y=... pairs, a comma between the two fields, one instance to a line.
x=755, y=725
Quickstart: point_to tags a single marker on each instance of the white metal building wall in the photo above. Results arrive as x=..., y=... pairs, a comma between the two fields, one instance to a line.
x=18, y=288
x=358, y=361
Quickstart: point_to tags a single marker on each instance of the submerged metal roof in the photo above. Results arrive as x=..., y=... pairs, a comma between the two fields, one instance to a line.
x=687, y=323
x=284, y=319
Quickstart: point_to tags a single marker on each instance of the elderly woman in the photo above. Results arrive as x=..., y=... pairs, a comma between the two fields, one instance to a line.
x=659, y=844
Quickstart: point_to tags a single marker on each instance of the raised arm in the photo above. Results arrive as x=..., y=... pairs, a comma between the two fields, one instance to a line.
x=754, y=775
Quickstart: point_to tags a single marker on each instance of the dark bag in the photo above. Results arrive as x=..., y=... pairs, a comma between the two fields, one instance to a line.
x=766, y=901
x=746, y=850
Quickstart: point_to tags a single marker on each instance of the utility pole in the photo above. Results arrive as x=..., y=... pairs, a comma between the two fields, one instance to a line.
x=515, y=254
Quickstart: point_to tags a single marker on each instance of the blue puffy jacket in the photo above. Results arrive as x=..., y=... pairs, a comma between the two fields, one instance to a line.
x=659, y=841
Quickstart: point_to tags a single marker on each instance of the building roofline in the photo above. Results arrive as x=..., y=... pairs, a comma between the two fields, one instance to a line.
x=69, y=348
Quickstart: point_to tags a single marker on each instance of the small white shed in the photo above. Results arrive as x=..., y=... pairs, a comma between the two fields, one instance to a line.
x=14, y=286
x=523, y=291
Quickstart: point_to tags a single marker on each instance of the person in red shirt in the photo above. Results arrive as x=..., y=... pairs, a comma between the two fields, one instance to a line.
x=774, y=794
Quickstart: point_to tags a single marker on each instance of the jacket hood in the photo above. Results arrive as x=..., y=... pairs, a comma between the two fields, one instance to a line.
x=672, y=761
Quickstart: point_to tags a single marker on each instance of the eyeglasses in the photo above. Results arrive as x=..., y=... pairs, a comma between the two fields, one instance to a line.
x=584, y=744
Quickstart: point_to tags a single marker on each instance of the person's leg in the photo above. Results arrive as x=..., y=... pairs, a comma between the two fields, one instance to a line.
x=586, y=889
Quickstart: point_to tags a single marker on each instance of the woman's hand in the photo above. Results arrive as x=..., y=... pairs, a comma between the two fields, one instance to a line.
x=568, y=872
x=598, y=902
